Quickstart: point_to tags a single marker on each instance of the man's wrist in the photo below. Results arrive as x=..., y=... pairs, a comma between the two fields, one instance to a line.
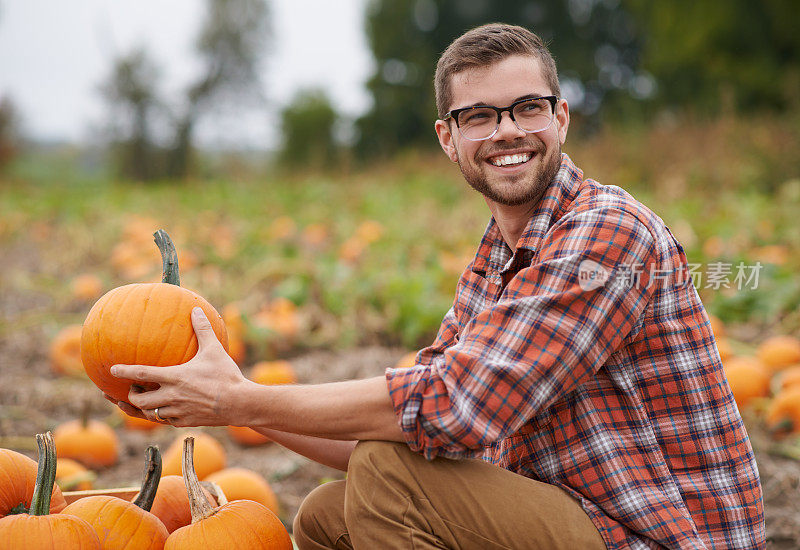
x=243, y=404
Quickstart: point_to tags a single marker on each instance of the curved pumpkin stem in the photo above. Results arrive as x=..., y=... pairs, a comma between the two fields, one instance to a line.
x=169, y=258
x=152, y=475
x=198, y=502
x=45, y=476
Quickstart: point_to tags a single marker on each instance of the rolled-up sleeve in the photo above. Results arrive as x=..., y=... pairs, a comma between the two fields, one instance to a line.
x=554, y=326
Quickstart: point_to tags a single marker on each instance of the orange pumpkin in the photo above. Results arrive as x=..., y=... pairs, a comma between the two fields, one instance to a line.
x=747, y=378
x=72, y=476
x=247, y=436
x=171, y=504
x=779, y=352
x=87, y=287
x=237, y=524
x=65, y=351
x=126, y=525
x=717, y=327
x=137, y=424
x=209, y=456
x=787, y=378
x=243, y=484
x=90, y=442
x=40, y=528
x=17, y=481
x=783, y=413
x=234, y=324
x=273, y=372
x=145, y=324
x=407, y=361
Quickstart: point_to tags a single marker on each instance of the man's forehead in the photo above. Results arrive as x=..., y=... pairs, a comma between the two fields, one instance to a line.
x=504, y=80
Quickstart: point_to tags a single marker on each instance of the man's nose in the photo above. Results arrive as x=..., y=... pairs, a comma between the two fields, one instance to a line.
x=507, y=130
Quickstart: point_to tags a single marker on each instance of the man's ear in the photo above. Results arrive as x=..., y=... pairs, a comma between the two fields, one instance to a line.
x=446, y=139
x=562, y=117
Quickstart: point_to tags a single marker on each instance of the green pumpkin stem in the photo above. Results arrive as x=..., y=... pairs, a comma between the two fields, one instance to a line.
x=152, y=475
x=198, y=501
x=45, y=476
x=169, y=257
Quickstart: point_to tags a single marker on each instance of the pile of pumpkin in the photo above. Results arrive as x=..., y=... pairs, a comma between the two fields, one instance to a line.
x=180, y=514
x=766, y=381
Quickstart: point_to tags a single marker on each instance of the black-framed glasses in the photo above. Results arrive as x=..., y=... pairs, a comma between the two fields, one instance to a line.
x=482, y=121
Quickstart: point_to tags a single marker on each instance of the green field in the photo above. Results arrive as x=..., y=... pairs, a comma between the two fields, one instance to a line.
x=729, y=190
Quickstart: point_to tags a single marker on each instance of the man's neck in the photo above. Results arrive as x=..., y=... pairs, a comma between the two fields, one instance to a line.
x=512, y=220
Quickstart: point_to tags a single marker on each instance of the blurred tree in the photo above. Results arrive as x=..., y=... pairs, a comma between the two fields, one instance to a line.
x=307, y=125
x=130, y=91
x=710, y=55
x=231, y=46
x=595, y=43
x=9, y=131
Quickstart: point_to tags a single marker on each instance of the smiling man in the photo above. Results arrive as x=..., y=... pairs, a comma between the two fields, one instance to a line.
x=574, y=396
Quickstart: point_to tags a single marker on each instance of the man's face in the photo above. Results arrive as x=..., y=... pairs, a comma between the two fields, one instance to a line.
x=500, y=84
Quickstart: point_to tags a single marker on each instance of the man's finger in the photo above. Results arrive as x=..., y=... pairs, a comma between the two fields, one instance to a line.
x=203, y=329
x=146, y=399
x=143, y=373
x=130, y=410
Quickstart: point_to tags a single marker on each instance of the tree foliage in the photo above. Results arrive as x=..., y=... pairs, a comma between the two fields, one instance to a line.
x=734, y=54
x=9, y=131
x=130, y=91
x=307, y=126
x=231, y=45
x=594, y=43
x=628, y=56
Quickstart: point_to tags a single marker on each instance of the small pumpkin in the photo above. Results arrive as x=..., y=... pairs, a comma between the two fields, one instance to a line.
x=91, y=442
x=65, y=352
x=747, y=378
x=145, y=324
x=171, y=504
x=247, y=436
x=86, y=287
x=39, y=528
x=783, y=412
x=17, y=482
x=236, y=524
x=235, y=326
x=126, y=525
x=787, y=378
x=779, y=352
x=407, y=361
x=71, y=475
x=135, y=423
x=209, y=456
x=273, y=372
x=244, y=484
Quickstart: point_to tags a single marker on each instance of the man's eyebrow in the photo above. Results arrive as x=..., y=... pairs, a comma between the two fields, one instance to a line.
x=520, y=98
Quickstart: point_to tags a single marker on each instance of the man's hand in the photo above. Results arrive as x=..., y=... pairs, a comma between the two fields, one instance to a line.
x=200, y=392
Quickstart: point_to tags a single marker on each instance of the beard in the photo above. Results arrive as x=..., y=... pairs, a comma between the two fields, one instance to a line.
x=528, y=187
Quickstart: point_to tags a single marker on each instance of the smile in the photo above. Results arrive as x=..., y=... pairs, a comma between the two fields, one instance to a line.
x=510, y=160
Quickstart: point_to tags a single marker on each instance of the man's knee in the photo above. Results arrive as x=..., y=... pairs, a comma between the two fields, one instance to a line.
x=321, y=516
x=369, y=455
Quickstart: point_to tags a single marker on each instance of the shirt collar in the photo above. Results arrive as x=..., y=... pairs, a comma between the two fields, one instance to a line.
x=493, y=252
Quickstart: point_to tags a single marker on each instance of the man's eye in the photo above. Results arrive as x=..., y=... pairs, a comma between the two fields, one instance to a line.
x=472, y=117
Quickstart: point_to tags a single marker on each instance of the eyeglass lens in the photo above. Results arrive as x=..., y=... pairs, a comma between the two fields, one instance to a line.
x=481, y=122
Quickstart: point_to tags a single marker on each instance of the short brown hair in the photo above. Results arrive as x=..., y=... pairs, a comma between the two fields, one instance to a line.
x=483, y=46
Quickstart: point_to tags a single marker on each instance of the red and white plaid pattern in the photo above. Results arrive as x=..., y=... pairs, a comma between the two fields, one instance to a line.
x=613, y=391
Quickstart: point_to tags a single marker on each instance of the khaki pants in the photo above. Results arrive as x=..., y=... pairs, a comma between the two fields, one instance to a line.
x=394, y=498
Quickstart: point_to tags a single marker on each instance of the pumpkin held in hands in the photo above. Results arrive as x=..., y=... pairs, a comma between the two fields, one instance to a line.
x=144, y=324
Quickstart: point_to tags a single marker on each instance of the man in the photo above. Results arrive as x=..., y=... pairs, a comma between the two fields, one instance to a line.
x=576, y=364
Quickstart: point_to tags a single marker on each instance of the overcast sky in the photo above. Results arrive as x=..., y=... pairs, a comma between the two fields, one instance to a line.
x=54, y=54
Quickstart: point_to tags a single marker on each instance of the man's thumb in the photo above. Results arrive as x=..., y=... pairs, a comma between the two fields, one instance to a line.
x=202, y=328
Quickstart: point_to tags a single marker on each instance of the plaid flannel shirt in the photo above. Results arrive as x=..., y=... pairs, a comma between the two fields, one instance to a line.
x=586, y=360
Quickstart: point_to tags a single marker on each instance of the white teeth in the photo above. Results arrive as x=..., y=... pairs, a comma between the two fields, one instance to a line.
x=511, y=159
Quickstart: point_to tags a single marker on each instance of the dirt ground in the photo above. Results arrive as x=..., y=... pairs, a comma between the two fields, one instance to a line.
x=32, y=400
